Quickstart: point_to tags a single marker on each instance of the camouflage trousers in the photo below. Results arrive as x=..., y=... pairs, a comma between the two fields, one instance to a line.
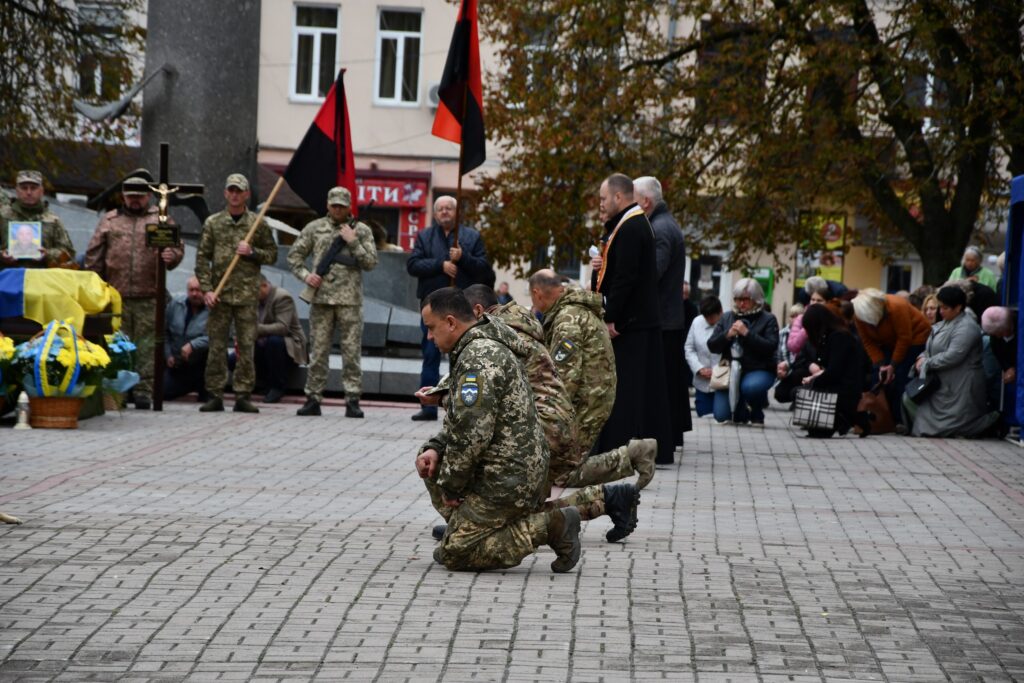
x=138, y=321
x=469, y=545
x=323, y=319
x=589, y=428
x=597, y=469
x=218, y=328
x=589, y=501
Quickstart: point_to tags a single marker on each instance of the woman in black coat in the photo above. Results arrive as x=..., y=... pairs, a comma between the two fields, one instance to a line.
x=838, y=368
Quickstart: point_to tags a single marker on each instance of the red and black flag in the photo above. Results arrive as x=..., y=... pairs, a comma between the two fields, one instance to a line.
x=460, y=114
x=324, y=158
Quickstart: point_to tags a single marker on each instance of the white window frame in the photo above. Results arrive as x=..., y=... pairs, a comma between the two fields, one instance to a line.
x=399, y=36
x=316, y=32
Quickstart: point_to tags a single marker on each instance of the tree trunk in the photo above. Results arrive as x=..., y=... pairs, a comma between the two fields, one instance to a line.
x=939, y=256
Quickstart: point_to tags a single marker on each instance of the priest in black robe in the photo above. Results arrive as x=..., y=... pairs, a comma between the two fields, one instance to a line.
x=626, y=276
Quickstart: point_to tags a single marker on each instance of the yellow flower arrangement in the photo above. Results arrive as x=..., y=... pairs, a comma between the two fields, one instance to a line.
x=60, y=363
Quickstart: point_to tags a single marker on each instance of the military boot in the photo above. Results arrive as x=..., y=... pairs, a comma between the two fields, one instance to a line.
x=564, y=538
x=214, y=405
x=620, y=503
x=310, y=407
x=244, y=405
x=352, y=408
x=641, y=455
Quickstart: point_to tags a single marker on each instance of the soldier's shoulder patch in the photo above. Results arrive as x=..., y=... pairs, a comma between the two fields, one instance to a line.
x=564, y=350
x=470, y=389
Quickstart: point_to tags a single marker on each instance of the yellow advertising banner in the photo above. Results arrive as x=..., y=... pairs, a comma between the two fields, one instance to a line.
x=823, y=255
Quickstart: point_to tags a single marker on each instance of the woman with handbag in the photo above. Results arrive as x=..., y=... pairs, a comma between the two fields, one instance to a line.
x=838, y=369
x=748, y=337
x=949, y=389
x=701, y=361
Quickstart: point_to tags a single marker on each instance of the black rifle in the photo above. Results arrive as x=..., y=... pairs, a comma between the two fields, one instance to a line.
x=334, y=254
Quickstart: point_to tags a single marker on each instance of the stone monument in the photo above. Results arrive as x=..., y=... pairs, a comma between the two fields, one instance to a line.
x=206, y=109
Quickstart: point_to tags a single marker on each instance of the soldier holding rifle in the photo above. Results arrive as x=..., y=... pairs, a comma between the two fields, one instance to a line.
x=236, y=301
x=341, y=248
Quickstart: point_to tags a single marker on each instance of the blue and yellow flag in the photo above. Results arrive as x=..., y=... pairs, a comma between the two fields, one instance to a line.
x=45, y=294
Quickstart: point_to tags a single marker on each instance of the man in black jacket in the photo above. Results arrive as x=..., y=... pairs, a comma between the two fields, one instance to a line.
x=626, y=276
x=436, y=260
x=670, y=258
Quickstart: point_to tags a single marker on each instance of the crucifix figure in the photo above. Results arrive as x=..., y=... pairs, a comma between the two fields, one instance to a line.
x=158, y=236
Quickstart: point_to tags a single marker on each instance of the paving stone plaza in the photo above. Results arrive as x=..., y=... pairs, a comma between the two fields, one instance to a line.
x=202, y=547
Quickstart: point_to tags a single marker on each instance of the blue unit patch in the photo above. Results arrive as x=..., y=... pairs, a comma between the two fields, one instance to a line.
x=469, y=392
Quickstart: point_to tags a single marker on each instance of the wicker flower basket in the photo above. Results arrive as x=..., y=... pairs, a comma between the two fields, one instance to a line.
x=54, y=412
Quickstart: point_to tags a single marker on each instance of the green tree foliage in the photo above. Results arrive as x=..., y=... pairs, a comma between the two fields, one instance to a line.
x=912, y=113
x=53, y=53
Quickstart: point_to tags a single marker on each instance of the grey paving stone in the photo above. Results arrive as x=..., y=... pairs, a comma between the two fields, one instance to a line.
x=180, y=546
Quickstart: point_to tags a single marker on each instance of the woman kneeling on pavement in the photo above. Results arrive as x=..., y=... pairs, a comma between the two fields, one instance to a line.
x=953, y=354
x=750, y=335
x=837, y=368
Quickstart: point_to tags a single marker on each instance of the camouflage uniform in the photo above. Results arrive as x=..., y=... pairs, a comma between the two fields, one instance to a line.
x=118, y=253
x=569, y=466
x=338, y=303
x=238, y=301
x=55, y=240
x=578, y=341
x=493, y=456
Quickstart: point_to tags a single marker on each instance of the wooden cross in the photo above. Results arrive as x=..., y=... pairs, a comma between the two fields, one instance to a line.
x=159, y=237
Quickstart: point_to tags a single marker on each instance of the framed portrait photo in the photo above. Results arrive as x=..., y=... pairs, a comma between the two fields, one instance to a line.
x=24, y=240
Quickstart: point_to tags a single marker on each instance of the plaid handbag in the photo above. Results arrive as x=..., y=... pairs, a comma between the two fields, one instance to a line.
x=814, y=409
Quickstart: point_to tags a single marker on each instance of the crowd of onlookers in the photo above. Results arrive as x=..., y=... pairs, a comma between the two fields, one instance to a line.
x=934, y=362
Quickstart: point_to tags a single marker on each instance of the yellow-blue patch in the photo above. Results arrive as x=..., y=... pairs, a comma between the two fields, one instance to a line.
x=564, y=350
x=469, y=392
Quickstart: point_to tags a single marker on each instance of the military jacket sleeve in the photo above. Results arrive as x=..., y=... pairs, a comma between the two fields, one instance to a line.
x=96, y=252
x=264, y=248
x=362, y=248
x=204, y=256
x=55, y=239
x=300, y=251
x=566, y=353
x=469, y=422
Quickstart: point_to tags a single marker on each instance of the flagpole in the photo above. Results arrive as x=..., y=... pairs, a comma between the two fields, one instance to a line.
x=458, y=185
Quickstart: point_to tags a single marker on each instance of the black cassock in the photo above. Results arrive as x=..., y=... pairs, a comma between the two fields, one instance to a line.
x=630, y=291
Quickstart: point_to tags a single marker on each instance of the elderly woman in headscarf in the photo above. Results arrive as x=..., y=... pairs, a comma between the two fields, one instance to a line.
x=749, y=336
x=953, y=354
x=971, y=269
x=893, y=333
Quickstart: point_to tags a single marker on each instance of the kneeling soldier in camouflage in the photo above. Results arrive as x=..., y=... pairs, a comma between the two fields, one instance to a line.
x=486, y=470
x=570, y=467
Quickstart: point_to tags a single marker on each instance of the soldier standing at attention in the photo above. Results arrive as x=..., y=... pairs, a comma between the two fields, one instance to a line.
x=30, y=207
x=338, y=302
x=223, y=236
x=486, y=471
x=118, y=253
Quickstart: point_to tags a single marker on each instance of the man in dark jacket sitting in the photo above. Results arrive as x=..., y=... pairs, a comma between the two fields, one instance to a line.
x=186, y=344
x=436, y=260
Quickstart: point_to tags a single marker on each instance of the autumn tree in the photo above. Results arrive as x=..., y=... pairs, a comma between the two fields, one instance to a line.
x=53, y=53
x=910, y=113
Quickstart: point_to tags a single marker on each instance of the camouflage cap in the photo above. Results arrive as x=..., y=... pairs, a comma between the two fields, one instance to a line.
x=134, y=186
x=29, y=177
x=339, y=195
x=237, y=180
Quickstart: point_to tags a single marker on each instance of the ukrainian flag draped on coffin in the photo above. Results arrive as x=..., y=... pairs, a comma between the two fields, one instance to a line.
x=49, y=294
